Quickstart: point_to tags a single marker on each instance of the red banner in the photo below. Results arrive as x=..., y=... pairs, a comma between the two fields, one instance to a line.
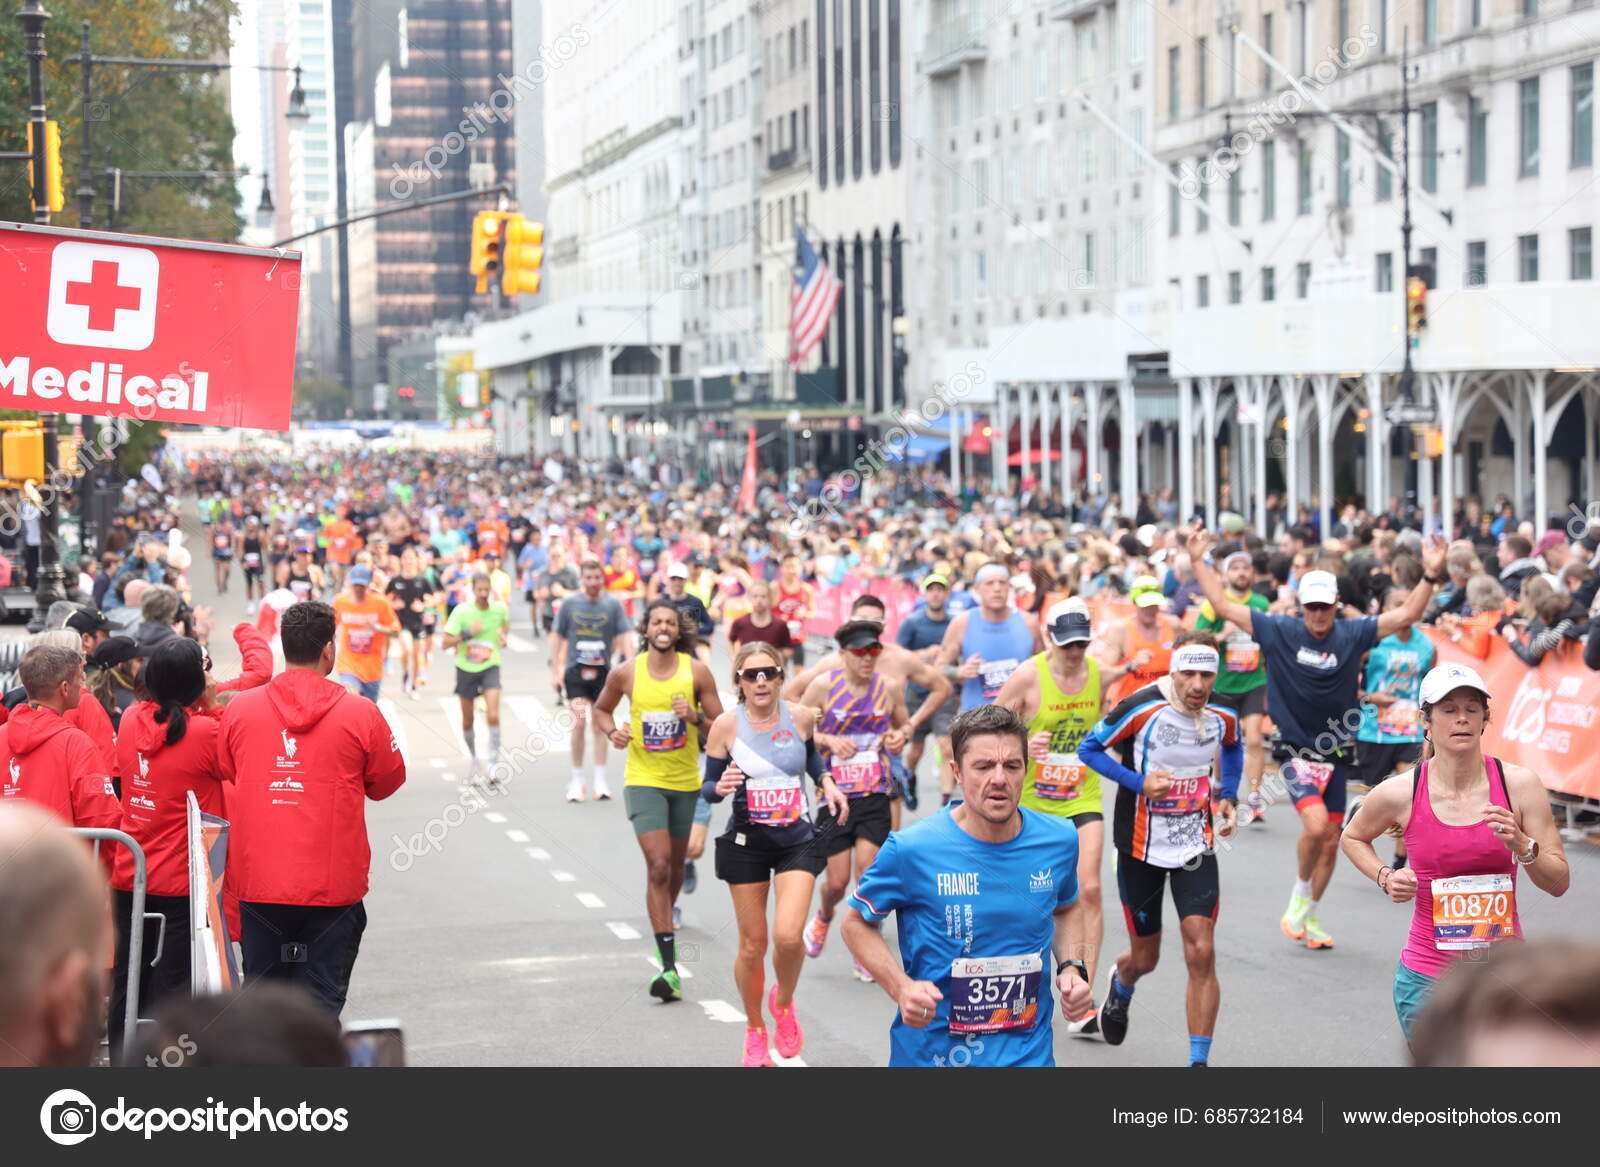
x=141, y=327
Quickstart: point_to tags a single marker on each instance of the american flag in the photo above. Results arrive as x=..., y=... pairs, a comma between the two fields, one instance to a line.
x=811, y=300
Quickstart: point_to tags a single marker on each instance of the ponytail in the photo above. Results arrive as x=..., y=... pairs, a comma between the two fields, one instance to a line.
x=173, y=715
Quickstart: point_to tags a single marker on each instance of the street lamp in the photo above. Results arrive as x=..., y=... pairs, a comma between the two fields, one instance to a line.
x=298, y=110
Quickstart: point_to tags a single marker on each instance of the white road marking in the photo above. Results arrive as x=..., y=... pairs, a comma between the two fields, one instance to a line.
x=538, y=853
x=517, y=836
x=794, y=1063
x=438, y=763
x=722, y=1011
x=517, y=644
x=537, y=720
x=589, y=900
x=622, y=931
x=563, y=877
x=542, y=961
x=655, y=963
x=397, y=727
x=493, y=816
x=447, y=776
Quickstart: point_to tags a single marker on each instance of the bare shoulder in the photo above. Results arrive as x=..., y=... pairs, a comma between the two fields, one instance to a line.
x=722, y=730
x=1521, y=780
x=805, y=719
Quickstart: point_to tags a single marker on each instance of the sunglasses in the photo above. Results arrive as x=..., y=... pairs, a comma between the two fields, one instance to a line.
x=205, y=662
x=866, y=650
x=761, y=673
x=1317, y=607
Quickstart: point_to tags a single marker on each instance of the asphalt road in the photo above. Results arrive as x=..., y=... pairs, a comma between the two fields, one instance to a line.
x=510, y=929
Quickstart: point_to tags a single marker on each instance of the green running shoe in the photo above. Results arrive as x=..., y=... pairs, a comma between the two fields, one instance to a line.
x=1294, y=920
x=667, y=986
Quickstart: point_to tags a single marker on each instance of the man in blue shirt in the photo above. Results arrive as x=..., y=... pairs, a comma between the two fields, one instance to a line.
x=985, y=894
x=1313, y=673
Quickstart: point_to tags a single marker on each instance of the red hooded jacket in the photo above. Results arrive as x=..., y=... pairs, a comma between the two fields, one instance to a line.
x=304, y=754
x=255, y=660
x=156, y=781
x=91, y=717
x=45, y=760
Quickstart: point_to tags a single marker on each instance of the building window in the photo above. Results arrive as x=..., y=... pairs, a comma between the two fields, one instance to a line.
x=1235, y=287
x=1477, y=142
x=1477, y=13
x=1087, y=258
x=1041, y=73
x=1430, y=147
x=1386, y=148
x=1175, y=202
x=1202, y=291
x=1582, y=114
x=1384, y=272
x=1202, y=220
x=1528, y=258
x=1302, y=280
x=1269, y=285
x=1477, y=264
x=1139, y=264
x=1173, y=103
x=1301, y=31
x=1303, y=178
x=1014, y=178
x=1041, y=171
x=875, y=107
x=1530, y=9
x=1235, y=197
x=1269, y=181
x=1580, y=254
x=980, y=182
x=1383, y=26
x=1200, y=69
x=1266, y=43
x=1015, y=67
x=980, y=271
x=1430, y=260
x=893, y=96
x=1086, y=155
x=1528, y=127
x=1430, y=22
x=1342, y=143
x=1344, y=30
x=855, y=92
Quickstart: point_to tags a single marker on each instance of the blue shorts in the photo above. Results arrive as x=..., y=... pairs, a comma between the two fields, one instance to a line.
x=1411, y=991
x=368, y=689
x=1304, y=789
x=702, y=812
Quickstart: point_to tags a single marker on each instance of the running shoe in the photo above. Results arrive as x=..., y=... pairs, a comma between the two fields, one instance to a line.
x=1257, y=808
x=1113, y=1015
x=1086, y=1026
x=691, y=878
x=756, y=1056
x=602, y=792
x=1294, y=920
x=575, y=790
x=1315, y=936
x=677, y=917
x=667, y=986
x=816, y=935
x=861, y=971
x=791, y=1039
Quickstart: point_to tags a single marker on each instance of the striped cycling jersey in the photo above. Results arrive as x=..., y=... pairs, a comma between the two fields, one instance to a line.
x=1148, y=733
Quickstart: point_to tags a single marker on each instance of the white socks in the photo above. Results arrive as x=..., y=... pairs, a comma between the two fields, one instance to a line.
x=1302, y=887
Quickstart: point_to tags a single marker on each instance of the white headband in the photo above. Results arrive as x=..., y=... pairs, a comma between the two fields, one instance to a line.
x=1194, y=658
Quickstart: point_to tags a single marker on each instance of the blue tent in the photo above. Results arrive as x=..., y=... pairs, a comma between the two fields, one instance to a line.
x=920, y=449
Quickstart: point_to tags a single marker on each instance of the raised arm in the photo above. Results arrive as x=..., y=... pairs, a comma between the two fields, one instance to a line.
x=1417, y=602
x=1199, y=545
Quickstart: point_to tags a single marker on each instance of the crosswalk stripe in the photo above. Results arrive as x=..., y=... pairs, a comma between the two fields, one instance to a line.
x=563, y=876
x=655, y=963
x=492, y=816
x=538, y=853
x=517, y=836
x=622, y=931
x=722, y=1011
x=589, y=900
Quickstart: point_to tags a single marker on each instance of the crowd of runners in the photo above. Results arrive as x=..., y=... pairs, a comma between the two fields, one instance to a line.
x=1007, y=668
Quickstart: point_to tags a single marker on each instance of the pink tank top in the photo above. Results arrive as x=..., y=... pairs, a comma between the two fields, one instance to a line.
x=1438, y=850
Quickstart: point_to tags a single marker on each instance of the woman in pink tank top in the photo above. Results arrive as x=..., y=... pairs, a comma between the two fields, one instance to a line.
x=1469, y=821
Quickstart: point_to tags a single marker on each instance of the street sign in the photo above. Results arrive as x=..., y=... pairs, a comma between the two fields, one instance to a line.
x=137, y=326
x=1411, y=414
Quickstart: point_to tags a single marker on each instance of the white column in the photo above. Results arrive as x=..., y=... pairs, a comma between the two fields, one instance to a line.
x=1067, y=422
x=1093, y=439
x=999, y=445
x=1424, y=481
x=955, y=451
x=1026, y=394
x=1208, y=445
x=1127, y=426
x=1045, y=392
x=1447, y=395
x=1289, y=391
x=1323, y=386
x=1541, y=444
x=1259, y=391
x=1185, y=449
x=1588, y=442
x=1377, y=445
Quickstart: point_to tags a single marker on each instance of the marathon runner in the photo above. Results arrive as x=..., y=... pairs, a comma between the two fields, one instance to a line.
x=300, y=575
x=922, y=633
x=901, y=670
x=1390, y=736
x=1138, y=649
x=342, y=541
x=410, y=593
x=224, y=536
x=251, y=556
x=591, y=628
x=477, y=630
x=1470, y=820
x=984, y=896
x=1057, y=693
x=1179, y=757
x=365, y=622
x=987, y=644
x=794, y=603
x=693, y=609
x=1313, y=670
x=1242, y=683
x=671, y=697
x=760, y=625
x=760, y=753
x=863, y=720
x=532, y=561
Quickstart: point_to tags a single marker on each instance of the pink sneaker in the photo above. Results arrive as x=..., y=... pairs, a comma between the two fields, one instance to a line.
x=791, y=1038
x=861, y=971
x=756, y=1055
x=816, y=935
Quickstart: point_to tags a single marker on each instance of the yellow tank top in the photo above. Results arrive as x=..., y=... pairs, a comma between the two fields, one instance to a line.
x=664, y=750
x=1062, y=785
x=702, y=589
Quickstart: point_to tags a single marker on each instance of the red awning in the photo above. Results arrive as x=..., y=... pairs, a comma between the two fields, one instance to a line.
x=976, y=442
x=1035, y=456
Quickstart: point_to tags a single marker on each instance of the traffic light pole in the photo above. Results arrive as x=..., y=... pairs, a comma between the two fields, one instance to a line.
x=475, y=193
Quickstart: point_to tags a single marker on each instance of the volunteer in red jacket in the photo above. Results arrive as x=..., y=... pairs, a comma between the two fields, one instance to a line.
x=46, y=760
x=167, y=748
x=304, y=753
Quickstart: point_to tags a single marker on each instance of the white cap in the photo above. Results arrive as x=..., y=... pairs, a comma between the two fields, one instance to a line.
x=678, y=571
x=1319, y=587
x=1443, y=680
x=1067, y=622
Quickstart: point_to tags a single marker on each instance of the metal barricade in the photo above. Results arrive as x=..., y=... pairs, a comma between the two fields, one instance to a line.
x=130, y=1018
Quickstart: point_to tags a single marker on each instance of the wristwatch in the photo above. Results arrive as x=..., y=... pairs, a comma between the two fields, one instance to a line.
x=1083, y=969
x=1532, y=854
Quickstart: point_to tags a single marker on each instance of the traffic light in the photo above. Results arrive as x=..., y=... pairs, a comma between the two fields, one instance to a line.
x=486, y=246
x=52, y=165
x=1416, y=307
x=524, y=256
x=22, y=454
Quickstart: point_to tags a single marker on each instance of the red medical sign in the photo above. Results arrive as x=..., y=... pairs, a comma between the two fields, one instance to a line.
x=136, y=326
